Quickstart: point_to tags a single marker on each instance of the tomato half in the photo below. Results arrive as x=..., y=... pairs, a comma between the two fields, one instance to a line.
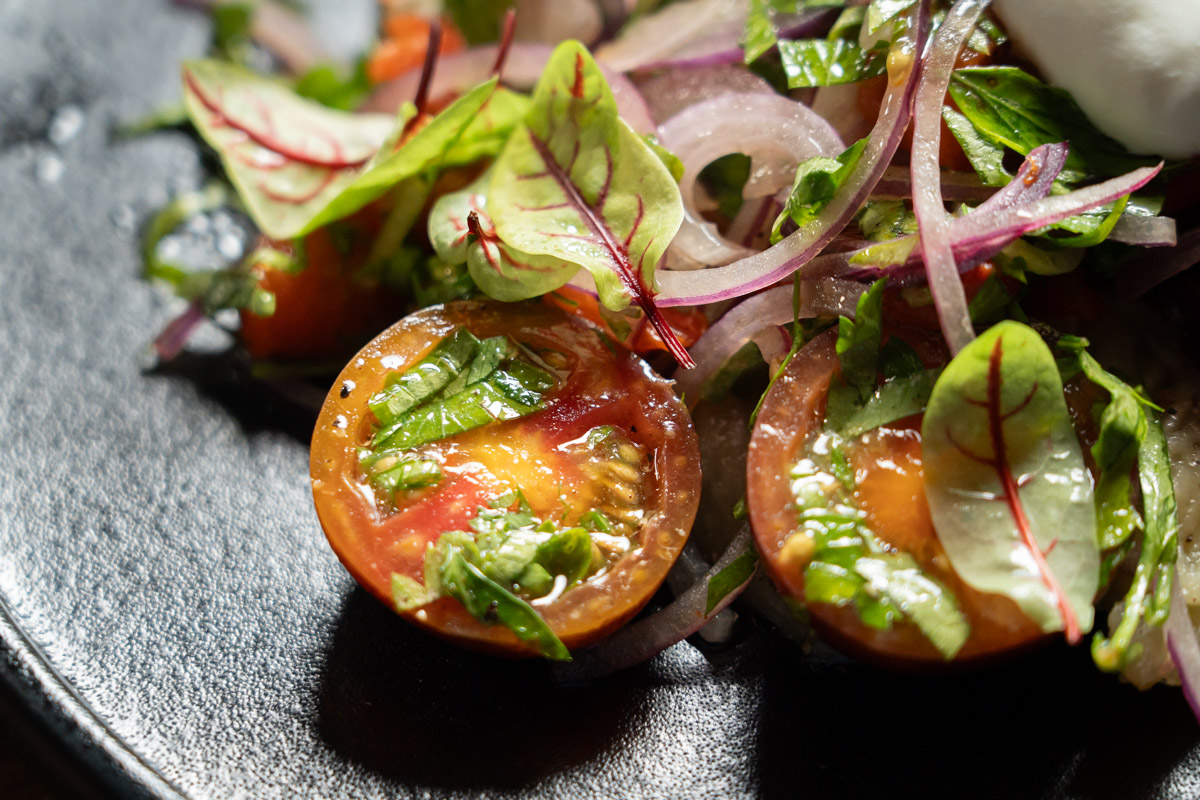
x=603, y=386
x=890, y=490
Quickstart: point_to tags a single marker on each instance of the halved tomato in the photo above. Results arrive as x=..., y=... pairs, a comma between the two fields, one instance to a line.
x=652, y=487
x=890, y=491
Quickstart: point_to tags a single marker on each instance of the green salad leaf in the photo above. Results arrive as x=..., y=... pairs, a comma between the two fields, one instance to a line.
x=849, y=565
x=830, y=62
x=817, y=182
x=298, y=165
x=1008, y=490
x=575, y=183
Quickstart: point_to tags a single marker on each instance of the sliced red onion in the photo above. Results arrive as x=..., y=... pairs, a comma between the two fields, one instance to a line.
x=979, y=236
x=671, y=92
x=777, y=133
x=751, y=226
x=553, y=21
x=1184, y=647
x=932, y=220
x=1156, y=266
x=963, y=187
x=749, y=318
x=777, y=262
x=725, y=47
x=1144, y=231
x=689, y=568
x=280, y=31
x=174, y=336
x=458, y=72
x=1033, y=180
x=659, y=36
x=650, y=635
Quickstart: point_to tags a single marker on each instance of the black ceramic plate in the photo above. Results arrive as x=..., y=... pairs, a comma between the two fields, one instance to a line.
x=171, y=616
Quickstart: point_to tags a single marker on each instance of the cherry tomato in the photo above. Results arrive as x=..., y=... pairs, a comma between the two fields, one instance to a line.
x=327, y=308
x=890, y=490
x=604, y=385
x=403, y=47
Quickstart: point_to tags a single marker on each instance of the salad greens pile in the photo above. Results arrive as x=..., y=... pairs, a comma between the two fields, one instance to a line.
x=516, y=195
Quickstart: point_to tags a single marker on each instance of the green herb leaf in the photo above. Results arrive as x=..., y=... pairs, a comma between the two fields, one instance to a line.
x=479, y=20
x=428, y=376
x=491, y=603
x=327, y=85
x=934, y=610
x=404, y=473
x=859, y=340
x=567, y=553
x=498, y=398
x=461, y=231
x=881, y=12
x=1007, y=487
x=817, y=182
x=896, y=399
x=740, y=570
x=1010, y=107
x=408, y=594
x=986, y=157
x=762, y=33
x=810, y=63
x=669, y=159
x=575, y=183
x=850, y=566
x=897, y=359
x=489, y=128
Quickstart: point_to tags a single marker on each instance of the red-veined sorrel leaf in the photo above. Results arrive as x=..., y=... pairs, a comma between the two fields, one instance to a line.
x=1010, y=495
x=298, y=165
x=461, y=230
x=576, y=183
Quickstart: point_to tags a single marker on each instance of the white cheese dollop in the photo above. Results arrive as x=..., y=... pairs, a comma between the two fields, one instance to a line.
x=1132, y=65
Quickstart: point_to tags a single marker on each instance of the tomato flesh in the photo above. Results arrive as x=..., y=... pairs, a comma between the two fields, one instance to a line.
x=539, y=454
x=890, y=491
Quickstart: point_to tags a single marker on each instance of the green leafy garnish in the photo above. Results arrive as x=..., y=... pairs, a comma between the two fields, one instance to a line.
x=1129, y=439
x=896, y=399
x=817, y=182
x=462, y=384
x=298, y=165
x=858, y=345
x=1007, y=486
x=575, y=183
x=847, y=565
x=762, y=32
x=740, y=570
x=830, y=62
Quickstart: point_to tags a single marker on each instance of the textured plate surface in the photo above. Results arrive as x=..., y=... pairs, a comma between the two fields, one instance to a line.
x=171, y=615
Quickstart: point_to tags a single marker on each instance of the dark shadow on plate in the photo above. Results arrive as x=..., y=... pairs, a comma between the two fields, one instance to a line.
x=289, y=405
x=415, y=709
x=1048, y=726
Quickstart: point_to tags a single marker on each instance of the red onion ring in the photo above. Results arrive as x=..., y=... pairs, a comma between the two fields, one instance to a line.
x=777, y=262
x=965, y=187
x=670, y=30
x=651, y=635
x=1144, y=231
x=458, y=72
x=1184, y=647
x=174, y=336
x=671, y=92
x=933, y=222
x=777, y=133
x=749, y=318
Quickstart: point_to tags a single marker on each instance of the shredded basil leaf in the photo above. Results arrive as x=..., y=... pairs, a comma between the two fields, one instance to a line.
x=737, y=572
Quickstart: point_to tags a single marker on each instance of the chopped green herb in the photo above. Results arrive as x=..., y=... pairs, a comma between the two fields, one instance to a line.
x=830, y=62
x=817, y=181
x=740, y=570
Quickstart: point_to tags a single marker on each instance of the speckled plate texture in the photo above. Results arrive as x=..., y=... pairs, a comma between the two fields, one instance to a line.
x=173, y=623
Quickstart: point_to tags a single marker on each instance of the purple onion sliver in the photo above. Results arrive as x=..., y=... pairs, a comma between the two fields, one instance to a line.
x=782, y=259
x=933, y=222
x=650, y=635
x=170, y=342
x=1183, y=647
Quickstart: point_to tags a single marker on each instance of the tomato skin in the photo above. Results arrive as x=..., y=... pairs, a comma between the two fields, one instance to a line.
x=326, y=308
x=604, y=386
x=894, y=504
